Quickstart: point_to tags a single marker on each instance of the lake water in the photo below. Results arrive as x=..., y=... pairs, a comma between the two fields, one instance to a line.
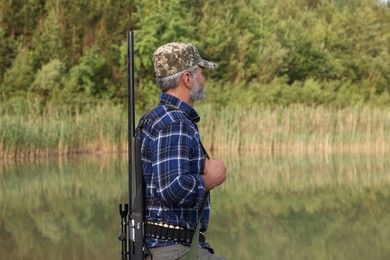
x=305, y=206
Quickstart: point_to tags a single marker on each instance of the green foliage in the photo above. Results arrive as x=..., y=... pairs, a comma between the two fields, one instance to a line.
x=314, y=52
x=85, y=81
x=19, y=76
x=6, y=51
x=47, y=41
x=47, y=83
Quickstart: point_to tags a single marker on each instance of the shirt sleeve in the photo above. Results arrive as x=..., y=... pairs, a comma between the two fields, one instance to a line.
x=176, y=183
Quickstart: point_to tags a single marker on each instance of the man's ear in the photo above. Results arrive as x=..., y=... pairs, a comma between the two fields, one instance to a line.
x=187, y=79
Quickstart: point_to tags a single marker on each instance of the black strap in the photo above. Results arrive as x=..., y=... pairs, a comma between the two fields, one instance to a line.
x=208, y=192
x=206, y=195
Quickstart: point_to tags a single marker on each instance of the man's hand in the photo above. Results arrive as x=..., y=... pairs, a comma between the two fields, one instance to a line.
x=214, y=173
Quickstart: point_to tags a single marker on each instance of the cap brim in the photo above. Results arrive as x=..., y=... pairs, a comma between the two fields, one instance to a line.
x=208, y=64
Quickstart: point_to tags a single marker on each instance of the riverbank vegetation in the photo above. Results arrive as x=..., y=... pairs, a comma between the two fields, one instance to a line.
x=29, y=131
x=325, y=64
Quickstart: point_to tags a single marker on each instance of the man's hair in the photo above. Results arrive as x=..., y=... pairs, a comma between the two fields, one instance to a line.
x=172, y=81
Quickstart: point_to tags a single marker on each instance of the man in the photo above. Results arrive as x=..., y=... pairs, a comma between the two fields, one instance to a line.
x=176, y=171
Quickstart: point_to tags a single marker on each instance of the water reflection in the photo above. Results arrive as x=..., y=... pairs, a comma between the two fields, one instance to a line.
x=333, y=206
x=304, y=206
x=61, y=209
x=303, y=172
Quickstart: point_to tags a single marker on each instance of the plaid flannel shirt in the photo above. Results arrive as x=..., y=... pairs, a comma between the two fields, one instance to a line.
x=172, y=162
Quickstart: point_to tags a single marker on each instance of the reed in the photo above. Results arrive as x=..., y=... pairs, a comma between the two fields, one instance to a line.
x=296, y=129
x=27, y=131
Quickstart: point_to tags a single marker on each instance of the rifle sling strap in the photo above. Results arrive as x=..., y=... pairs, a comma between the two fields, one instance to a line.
x=194, y=248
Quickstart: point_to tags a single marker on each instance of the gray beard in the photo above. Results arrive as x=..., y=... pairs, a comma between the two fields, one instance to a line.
x=197, y=92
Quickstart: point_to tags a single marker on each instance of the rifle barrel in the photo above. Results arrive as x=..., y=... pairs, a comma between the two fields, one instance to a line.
x=136, y=183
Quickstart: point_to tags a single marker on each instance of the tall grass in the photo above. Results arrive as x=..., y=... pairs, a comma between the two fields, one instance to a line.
x=297, y=129
x=26, y=130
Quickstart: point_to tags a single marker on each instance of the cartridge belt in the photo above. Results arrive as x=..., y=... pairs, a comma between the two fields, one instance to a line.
x=171, y=233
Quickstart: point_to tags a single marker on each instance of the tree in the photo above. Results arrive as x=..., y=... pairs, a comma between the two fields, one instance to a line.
x=47, y=41
x=19, y=76
x=85, y=80
x=47, y=83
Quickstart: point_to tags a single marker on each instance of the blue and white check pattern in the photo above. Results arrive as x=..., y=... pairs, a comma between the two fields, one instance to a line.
x=172, y=162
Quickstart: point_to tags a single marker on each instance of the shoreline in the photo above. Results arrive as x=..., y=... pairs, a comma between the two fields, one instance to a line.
x=283, y=150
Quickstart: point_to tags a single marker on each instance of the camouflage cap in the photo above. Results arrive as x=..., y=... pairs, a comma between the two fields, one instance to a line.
x=175, y=57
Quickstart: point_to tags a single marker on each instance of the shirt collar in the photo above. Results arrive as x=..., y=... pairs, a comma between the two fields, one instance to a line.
x=189, y=111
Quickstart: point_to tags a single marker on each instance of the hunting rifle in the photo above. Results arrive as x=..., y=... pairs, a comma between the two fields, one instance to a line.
x=135, y=221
